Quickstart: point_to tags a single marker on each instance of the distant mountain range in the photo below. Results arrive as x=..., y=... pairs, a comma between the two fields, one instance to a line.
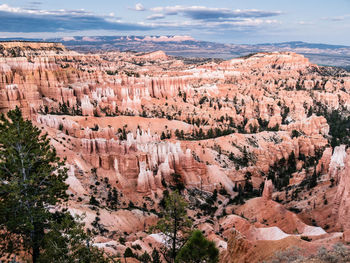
x=185, y=46
x=301, y=44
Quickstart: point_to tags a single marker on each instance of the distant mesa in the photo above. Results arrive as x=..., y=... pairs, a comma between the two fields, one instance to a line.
x=187, y=46
x=31, y=44
x=168, y=39
x=155, y=55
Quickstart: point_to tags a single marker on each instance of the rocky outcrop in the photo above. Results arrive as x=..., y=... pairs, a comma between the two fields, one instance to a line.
x=132, y=124
x=312, y=126
x=337, y=163
x=145, y=179
x=157, y=55
x=339, y=169
x=268, y=190
x=282, y=61
x=323, y=164
x=272, y=214
x=238, y=248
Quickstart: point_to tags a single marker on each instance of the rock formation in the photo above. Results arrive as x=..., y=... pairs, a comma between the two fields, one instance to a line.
x=133, y=125
x=339, y=169
x=268, y=190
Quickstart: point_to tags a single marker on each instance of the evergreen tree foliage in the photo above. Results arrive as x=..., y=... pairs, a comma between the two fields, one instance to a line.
x=32, y=179
x=198, y=250
x=128, y=253
x=67, y=242
x=175, y=225
x=145, y=258
x=32, y=188
x=155, y=256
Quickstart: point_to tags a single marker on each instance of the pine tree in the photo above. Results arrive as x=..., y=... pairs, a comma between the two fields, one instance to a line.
x=128, y=253
x=155, y=256
x=145, y=257
x=32, y=185
x=313, y=180
x=163, y=137
x=112, y=199
x=32, y=179
x=198, y=250
x=67, y=242
x=175, y=225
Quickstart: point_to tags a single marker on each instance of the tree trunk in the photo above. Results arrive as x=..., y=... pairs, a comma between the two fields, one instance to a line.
x=36, y=235
x=174, y=237
x=36, y=253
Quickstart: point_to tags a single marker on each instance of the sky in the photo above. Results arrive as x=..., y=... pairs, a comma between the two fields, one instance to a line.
x=226, y=21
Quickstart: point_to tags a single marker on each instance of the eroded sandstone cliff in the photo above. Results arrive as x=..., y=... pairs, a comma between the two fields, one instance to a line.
x=133, y=125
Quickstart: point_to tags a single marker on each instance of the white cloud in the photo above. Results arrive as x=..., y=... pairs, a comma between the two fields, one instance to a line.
x=192, y=19
x=337, y=18
x=19, y=10
x=212, y=25
x=209, y=13
x=305, y=23
x=155, y=17
x=139, y=7
x=17, y=19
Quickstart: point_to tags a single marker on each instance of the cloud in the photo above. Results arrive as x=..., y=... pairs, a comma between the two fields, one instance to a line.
x=213, y=27
x=138, y=7
x=305, y=23
x=14, y=19
x=155, y=17
x=35, y=3
x=199, y=20
x=192, y=20
x=212, y=14
x=337, y=18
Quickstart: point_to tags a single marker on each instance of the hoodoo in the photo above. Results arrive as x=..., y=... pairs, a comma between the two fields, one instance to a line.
x=254, y=145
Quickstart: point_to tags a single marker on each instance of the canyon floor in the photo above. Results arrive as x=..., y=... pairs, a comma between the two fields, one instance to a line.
x=258, y=143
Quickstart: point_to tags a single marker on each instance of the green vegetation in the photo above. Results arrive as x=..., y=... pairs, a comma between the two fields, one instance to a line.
x=339, y=253
x=175, y=225
x=198, y=250
x=178, y=183
x=113, y=199
x=155, y=256
x=63, y=109
x=31, y=184
x=182, y=245
x=112, y=72
x=247, y=191
x=339, y=128
x=295, y=134
x=208, y=207
x=68, y=242
x=242, y=161
x=122, y=133
x=281, y=172
x=199, y=134
x=339, y=125
x=128, y=253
